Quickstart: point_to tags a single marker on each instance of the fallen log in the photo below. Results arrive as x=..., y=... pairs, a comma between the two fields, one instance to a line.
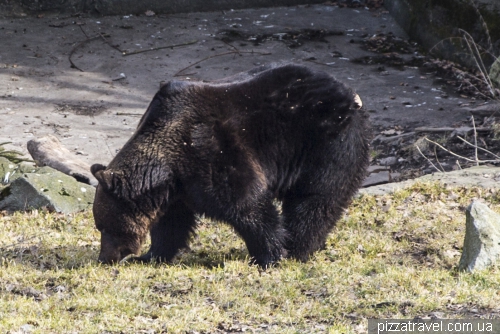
x=382, y=138
x=486, y=110
x=48, y=151
x=459, y=130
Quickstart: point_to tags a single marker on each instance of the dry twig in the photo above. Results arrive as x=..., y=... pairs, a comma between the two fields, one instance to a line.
x=457, y=155
x=230, y=45
x=437, y=159
x=480, y=148
x=103, y=37
x=478, y=60
x=475, y=141
x=76, y=47
x=158, y=48
x=219, y=55
x=419, y=151
x=128, y=114
x=83, y=31
x=450, y=129
x=483, y=23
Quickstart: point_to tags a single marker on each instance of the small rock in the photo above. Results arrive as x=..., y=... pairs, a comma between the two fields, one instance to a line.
x=27, y=328
x=428, y=170
x=377, y=168
x=389, y=161
x=437, y=315
x=377, y=178
x=482, y=238
x=59, y=289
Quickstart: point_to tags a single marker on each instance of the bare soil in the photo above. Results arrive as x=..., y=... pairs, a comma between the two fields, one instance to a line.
x=87, y=80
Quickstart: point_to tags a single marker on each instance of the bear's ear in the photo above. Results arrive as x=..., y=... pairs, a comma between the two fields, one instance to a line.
x=96, y=167
x=357, y=101
x=105, y=177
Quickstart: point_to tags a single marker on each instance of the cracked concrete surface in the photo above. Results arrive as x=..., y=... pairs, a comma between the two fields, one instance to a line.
x=94, y=111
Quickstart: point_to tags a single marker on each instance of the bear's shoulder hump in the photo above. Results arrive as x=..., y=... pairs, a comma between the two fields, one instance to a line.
x=173, y=87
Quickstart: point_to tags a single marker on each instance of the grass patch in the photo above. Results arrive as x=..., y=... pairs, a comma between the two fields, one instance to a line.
x=390, y=257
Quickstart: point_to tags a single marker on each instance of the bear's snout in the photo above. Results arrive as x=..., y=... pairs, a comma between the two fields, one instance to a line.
x=106, y=258
x=111, y=250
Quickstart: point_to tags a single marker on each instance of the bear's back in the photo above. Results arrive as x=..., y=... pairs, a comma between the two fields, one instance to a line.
x=285, y=89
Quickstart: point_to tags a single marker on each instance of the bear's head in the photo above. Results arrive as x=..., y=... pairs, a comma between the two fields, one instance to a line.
x=122, y=226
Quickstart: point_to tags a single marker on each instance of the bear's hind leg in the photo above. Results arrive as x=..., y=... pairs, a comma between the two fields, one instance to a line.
x=171, y=233
x=308, y=221
x=261, y=228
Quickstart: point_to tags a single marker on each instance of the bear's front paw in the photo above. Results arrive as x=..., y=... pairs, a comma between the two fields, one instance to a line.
x=266, y=261
x=148, y=258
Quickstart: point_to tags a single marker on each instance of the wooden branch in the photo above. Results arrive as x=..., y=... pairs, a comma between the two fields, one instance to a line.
x=419, y=151
x=486, y=110
x=48, y=151
x=232, y=46
x=103, y=37
x=218, y=55
x=391, y=138
x=437, y=159
x=475, y=141
x=79, y=45
x=128, y=114
x=477, y=59
x=158, y=48
x=456, y=155
x=464, y=129
x=484, y=113
x=480, y=148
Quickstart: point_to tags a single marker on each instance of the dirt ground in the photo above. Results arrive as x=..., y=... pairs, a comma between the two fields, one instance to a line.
x=94, y=105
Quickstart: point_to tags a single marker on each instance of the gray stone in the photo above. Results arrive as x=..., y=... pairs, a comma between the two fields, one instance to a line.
x=482, y=238
x=27, y=328
x=377, y=178
x=46, y=188
x=389, y=161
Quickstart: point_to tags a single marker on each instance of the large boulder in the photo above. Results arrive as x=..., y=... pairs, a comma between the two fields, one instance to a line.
x=482, y=238
x=45, y=188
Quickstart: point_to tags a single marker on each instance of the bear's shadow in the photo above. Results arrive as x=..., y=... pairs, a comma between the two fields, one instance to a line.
x=209, y=259
x=49, y=258
x=80, y=256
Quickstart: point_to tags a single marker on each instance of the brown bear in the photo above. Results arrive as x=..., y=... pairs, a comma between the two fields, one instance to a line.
x=226, y=150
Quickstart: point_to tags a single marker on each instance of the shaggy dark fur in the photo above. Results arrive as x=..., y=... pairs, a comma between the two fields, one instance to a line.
x=226, y=150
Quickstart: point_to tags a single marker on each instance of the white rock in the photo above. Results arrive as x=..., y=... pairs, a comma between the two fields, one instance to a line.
x=482, y=238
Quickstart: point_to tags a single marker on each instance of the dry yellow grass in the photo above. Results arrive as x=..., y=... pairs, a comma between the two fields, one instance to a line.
x=390, y=257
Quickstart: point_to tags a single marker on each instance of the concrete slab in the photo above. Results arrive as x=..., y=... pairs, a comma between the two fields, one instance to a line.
x=480, y=176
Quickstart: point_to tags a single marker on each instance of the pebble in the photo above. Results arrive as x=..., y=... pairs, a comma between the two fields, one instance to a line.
x=389, y=161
